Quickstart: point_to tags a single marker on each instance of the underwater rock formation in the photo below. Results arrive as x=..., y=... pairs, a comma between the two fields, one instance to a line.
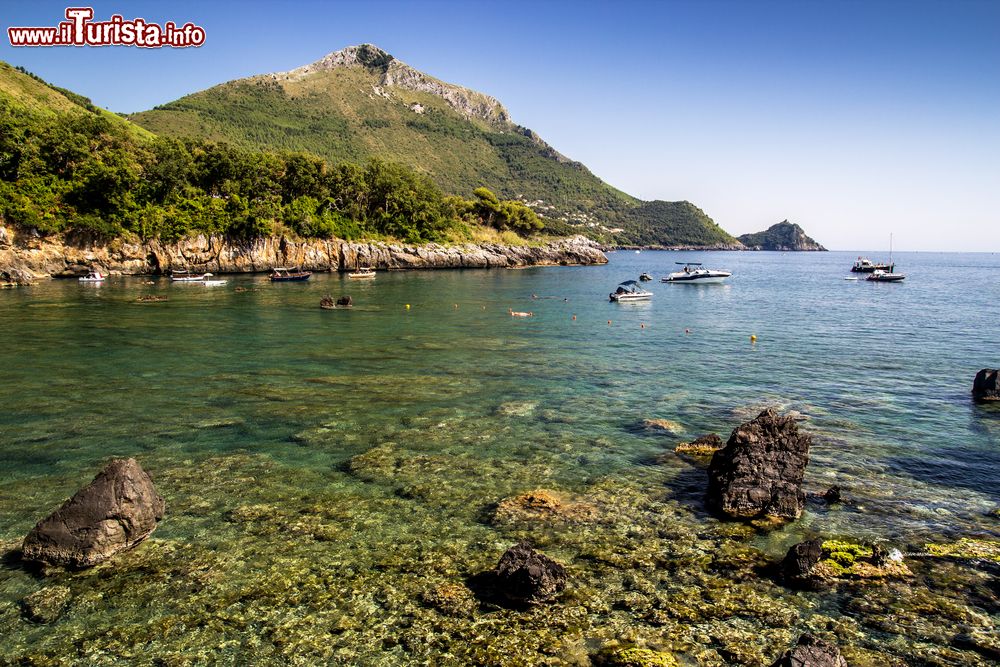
x=526, y=576
x=811, y=652
x=705, y=445
x=113, y=513
x=540, y=505
x=47, y=604
x=633, y=657
x=813, y=563
x=986, y=386
x=759, y=472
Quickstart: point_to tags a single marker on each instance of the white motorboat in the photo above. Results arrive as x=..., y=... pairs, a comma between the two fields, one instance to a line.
x=630, y=291
x=693, y=273
x=93, y=277
x=185, y=277
x=362, y=273
x=885, y=277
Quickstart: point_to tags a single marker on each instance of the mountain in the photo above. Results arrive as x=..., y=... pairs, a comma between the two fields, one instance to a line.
x=782, y=236
x=361, y=102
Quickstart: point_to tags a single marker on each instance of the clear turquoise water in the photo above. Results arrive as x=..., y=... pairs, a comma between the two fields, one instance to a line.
x=257, y=398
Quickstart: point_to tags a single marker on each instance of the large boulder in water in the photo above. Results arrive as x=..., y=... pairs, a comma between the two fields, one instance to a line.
x=113, y=513
x=759, y=472
x=523, y=575
x=811, y=652
x=986, y=386
x=797, y=567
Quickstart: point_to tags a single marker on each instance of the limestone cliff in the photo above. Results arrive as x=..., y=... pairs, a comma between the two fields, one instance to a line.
x=24, y=257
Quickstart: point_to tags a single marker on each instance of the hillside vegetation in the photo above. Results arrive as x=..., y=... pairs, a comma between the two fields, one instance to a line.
x=361, y=103
x=66, y=166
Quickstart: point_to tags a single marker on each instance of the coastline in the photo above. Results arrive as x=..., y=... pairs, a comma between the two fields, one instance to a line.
x=24, y=258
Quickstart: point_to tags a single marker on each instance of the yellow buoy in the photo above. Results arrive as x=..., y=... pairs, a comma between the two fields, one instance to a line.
x=407, y=306
x=753, y=338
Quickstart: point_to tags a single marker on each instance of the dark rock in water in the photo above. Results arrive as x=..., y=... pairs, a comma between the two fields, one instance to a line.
x=327, y=302
x=524, y=575
x=985, y=645
x=796, y=568
x=113, y=513
x=46, y=605
x=811, y=652
x=832, y=495
x=345, y=301
x=759, y=471
x=986, y=386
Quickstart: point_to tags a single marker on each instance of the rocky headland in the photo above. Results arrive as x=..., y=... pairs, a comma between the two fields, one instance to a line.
x=25, y=257
x=782, y=236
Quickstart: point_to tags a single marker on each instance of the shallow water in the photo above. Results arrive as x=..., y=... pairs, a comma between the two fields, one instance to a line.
x=324, y=469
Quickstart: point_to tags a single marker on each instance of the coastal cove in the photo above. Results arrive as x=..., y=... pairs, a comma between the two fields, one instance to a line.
x=335, y=480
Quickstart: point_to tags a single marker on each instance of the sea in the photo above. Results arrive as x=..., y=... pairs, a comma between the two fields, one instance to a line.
x=332, y=476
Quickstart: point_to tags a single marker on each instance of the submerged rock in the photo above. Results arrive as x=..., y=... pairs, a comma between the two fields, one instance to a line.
x=759, y=472
x=811, y=652
x=450, y=599
x=663, y=425
x=541, y=505
x=815, y=562
x=831, y=495
x=633, y=657
x=47, y=604
x=968, y=548
x=113, y=513
x=526, y=576
x=705, y=445
x=345, y=301
x=986, y=386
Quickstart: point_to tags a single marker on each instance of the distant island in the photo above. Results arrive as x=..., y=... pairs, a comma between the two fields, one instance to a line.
x=782, y=236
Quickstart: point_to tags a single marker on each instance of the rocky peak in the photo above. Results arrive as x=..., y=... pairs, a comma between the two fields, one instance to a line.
x=783, y=236
x=394, y=73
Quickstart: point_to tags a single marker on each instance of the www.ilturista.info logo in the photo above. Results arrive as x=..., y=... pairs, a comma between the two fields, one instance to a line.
x=80, y=30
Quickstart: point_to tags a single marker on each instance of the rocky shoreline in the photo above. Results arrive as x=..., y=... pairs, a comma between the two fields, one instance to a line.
x=25, y=257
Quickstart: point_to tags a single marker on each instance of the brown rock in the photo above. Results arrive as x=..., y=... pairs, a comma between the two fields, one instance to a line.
x=113, y=513
x=705, y=445
x=542, y=505
x=811, y=652
x=986, y=386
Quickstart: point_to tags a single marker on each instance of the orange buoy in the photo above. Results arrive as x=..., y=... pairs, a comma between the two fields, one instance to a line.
x=574, y=317
x=609, y=321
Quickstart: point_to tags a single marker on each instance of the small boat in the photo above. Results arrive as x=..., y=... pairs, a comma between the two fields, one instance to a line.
x=692, y=273
x=645, y=277
x=213, y=283
x=519, y=313
x=93, y=277
x=885, y=277
x=865, y=265
x=630, y=291
x=289, y=275
x=188, y=277
x=362, y=273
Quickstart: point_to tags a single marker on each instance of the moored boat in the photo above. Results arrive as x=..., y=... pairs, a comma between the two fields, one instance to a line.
x=289, y=275
x=188, y=277
x=630, y=291
x=362, y=273
x=865, y=265
x=693, y=273
x=93, y=277
x=885, y=277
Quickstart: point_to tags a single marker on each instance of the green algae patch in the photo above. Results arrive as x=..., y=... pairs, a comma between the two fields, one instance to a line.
x=848, y=560
x=634, y=657
x=969, y=548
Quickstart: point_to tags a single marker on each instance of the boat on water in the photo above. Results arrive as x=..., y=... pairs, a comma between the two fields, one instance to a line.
x=282, y=274
x=693, y=273
x=645, y=277
x=885, y=277
x=630, y=291
x=93, y=277
x=188, y=277
x=865, y=265
x=362, y=273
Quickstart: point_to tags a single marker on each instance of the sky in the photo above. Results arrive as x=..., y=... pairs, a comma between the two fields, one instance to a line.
x=854, y=119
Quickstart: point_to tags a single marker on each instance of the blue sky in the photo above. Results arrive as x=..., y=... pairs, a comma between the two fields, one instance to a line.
x=854, y=119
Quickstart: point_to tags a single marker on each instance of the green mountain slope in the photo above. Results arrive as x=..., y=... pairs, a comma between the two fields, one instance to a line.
x=361, y=103
x=782, y=236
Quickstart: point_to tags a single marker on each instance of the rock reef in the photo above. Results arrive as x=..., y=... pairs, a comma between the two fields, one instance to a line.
x=113, y=513
x=986, y=386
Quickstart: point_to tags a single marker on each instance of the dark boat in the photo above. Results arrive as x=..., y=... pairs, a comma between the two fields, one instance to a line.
x=645, y=277
x=283, y=275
